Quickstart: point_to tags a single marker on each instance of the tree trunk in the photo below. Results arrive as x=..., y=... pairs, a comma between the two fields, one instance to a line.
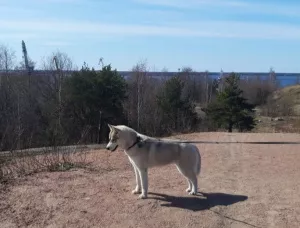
x=230, y=126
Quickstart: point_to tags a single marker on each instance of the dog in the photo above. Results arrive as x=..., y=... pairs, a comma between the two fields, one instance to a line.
x=145, y=152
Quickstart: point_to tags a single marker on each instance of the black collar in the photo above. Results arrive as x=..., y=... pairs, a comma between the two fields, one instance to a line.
x=138, y=139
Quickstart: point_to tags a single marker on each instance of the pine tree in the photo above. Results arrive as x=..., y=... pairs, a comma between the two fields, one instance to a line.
x=94, y=98
x=179, y=111
x=231, y=109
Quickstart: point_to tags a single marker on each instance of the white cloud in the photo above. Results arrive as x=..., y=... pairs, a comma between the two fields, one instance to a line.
x=193, y=3
x=46, y=1
x=221, y=29
x=56, y=43
x=246, y=6
x=17, y=35
x=58, y=1
x=275, y=9
x=15, y=10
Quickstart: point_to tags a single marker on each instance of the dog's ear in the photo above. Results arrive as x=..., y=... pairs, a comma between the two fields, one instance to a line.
x=116, y=129
x=113, y=128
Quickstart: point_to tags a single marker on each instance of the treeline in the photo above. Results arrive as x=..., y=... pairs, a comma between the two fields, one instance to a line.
x=59, y=108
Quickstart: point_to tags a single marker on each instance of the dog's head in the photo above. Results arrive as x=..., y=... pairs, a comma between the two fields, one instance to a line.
x=120, y=136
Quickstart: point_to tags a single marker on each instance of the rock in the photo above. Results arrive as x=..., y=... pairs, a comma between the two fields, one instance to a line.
x=279, y=119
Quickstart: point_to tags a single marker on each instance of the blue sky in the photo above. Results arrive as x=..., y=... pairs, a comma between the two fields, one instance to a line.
x=233, y=35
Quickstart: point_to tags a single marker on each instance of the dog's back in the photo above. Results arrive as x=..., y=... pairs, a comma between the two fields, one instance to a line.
x=163, y=152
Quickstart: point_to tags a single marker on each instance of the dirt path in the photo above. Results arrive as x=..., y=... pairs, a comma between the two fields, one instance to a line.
x=242, y=186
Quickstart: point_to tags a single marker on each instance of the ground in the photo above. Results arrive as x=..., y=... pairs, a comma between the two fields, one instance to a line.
x=242, y=185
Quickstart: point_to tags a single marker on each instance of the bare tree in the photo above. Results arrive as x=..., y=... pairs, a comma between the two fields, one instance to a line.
x=272, y=76
x=164, y=69
x=58, y=65
x=140, y=71
x=7, y=96
x=141, y=106
x=7, y=58
x=257, y=91
x=64, y=62
x=22, y=66
x=7, y=61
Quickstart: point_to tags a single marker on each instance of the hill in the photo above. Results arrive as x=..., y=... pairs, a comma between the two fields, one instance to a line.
x=287, y=100
x=282, y=111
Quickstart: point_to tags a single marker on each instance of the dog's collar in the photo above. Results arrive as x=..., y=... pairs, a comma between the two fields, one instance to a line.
x=138, y=139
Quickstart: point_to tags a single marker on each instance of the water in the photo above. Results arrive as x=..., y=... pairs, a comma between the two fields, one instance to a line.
x=283, y=79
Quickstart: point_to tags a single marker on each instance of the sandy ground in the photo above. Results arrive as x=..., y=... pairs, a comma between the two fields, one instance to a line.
x=241, y=185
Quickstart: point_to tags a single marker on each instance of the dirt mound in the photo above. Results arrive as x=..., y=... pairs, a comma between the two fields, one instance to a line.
x=288, y=97
x=240, y=186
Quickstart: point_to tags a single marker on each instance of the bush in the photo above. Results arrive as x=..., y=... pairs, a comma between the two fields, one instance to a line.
x=231, y=110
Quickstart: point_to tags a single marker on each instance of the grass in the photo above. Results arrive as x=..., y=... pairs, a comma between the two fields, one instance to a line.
x=21, y=163
x=288, y=96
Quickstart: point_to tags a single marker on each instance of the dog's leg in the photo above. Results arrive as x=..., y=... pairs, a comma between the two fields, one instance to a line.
x=137, y=189
x=191, y=177
x=194, y=181
x=190, y=186
x=144, y=180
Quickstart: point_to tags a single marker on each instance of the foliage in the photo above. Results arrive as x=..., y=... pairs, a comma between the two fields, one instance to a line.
x=231, y=109
x=93, y=95
x=179, y=111
x=54, y=106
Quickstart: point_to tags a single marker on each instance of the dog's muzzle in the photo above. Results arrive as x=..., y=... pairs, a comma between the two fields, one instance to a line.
x=112, y=149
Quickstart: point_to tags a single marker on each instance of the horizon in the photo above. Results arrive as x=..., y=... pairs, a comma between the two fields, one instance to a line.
x=36, y=70
x=230, y=35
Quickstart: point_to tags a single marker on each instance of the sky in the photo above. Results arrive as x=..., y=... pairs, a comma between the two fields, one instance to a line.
x=232, y=35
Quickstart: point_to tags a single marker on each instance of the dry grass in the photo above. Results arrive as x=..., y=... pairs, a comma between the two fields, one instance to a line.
x=290, y=124
x=21, y=163
x=286, y=100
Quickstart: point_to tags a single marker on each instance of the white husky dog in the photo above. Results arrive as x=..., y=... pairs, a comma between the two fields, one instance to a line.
x=145, y=152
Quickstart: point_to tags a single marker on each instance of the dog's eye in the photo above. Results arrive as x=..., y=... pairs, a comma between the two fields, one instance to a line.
x=114, y=139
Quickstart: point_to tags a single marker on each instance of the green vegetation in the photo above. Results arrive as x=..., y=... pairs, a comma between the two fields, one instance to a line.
x=67, y=106
x=92, y=99
x=231, y=109
x=64, y=108
x=179, y=111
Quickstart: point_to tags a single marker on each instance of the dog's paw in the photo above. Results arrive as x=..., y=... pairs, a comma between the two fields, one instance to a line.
x=136, y=191
x=142, y=196
x=188, y=190
x=192, y=193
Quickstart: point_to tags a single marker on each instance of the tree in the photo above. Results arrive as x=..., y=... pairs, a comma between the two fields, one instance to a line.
x=231, y=109
x=93, y=98
x=64, y=62
x=140, y=78
x=179, y=111
x=58, y=66
x=189, y=84
x=7, y=58
x=27, y=63
x=140, y=97
x=22, y=66
x=257, y=91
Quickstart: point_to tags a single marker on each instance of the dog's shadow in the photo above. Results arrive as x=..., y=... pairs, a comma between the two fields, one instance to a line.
x=202, y=201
